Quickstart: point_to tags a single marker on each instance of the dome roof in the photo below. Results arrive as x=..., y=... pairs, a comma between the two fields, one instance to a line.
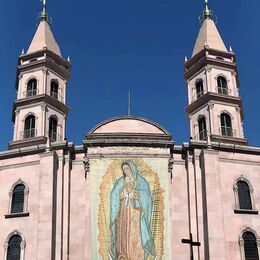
x=128, y=124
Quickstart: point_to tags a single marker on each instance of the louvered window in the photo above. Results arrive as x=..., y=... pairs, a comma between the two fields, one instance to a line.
x=18, y=199
x=244, y=195
x=14, y=248
x=250, y=246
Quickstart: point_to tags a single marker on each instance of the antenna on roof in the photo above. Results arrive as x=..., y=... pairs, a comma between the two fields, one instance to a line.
x=129, y=102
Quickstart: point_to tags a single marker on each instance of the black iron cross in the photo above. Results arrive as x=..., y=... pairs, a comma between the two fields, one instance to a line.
x=192, y=244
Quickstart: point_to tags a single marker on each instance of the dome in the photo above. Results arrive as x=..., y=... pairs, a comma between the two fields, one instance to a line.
x=128, y=125
x=129, y=131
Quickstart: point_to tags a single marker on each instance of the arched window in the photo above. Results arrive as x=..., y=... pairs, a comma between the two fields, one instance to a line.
x=29, y=127
x=250, y=246
x=54, y=89
x=222, y=85
x=18, y=199
x=14, y=248
x=244, y=195
x=244, y=199
x=202, y=128
x=226, y=125
x=199, y=89
x=31, y=88
x=53, y=123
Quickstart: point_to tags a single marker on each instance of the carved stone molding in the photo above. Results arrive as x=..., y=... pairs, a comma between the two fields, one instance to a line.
x=211, y=106
x=208, y=68
x=86, y=166
x=43, y=107
x=26, y=191
x=45, y=71
x=5, y=246
x=17, y=111
x=22, y=245
x=170, y=165
x=235, y=188
x=238, y=109
x=241, y=242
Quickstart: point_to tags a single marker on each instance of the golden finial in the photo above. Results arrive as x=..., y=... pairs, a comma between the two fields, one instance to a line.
x=44, y=15
x=207, y=13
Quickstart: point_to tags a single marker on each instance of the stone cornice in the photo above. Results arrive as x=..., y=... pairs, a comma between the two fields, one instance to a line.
x=214, y=97
x=47, y=59
x=27, y=142
x=175, y=149
x=215, y=52
x=128, y=139
x=227, y=147
x=42, y=98
x=229, y=139
x=203, y=58
x=48, y=54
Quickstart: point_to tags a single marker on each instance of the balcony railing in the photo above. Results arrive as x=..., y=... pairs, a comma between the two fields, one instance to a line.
x=30, y=93
x=56, y=96
x=197, y=96
x=201, y=136
x=54, y=136
x=223, y=91
x=30, y=133
x=227, y=131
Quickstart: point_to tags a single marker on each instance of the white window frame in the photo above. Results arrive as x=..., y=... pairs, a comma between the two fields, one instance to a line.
x=22, y=245
x=26, y=193
x=242, y=243
x=235, y=189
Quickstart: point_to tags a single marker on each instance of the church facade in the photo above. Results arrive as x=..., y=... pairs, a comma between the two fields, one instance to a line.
x=129, y=192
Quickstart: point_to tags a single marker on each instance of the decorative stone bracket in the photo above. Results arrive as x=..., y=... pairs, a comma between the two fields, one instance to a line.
x=86, y=166
x=170, y=167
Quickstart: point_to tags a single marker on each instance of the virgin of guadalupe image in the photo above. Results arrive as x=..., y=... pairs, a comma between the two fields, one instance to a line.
x=130, y=216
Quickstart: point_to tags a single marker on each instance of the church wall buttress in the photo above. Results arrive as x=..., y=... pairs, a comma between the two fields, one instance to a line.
x=215, y=248
x=179, y=209
x=47, y=207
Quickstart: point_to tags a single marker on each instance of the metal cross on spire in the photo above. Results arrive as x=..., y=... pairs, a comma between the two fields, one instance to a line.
x=207, y=12
x=44, y=15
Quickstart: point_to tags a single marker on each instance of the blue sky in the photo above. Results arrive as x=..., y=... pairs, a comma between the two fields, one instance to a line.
x=140, y=45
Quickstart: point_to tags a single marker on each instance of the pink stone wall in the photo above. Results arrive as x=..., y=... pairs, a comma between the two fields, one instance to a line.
x=201, y=200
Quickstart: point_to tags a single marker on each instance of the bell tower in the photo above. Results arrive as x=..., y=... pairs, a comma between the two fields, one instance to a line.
x=40, y=110
x=214, y=106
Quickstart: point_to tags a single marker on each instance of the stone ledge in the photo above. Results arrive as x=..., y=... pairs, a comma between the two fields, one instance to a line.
x=246, y=211
x=38, y=140
x=17, y=215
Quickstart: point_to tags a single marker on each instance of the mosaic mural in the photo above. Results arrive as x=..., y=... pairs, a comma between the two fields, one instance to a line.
x=131, y=212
